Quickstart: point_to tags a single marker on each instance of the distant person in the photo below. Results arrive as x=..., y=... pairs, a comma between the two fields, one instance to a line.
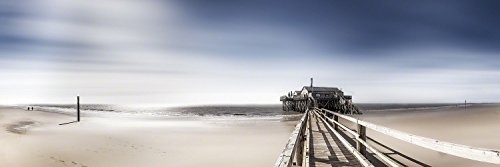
x=28, y=108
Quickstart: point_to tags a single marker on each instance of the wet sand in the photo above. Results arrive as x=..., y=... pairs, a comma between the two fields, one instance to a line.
x=33, y=138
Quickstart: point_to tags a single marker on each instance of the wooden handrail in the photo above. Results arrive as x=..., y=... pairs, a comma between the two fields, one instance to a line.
x=294, y=142
x=383, y=157
x=463, y=151
x=307, y=145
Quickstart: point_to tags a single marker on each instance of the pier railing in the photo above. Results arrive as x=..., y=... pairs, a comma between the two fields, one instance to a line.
x=463, y=151
x=293, y=154
x=360, y=136
x=296, y=150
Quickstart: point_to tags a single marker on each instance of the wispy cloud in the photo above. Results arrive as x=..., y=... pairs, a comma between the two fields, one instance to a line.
x=190, y=52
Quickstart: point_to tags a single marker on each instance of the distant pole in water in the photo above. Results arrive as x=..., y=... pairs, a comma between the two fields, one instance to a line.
x=78, y=108
x=465, y=105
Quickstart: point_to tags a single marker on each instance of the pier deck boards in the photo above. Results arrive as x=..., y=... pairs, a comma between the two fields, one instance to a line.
x=326, y=149
x=315, y=143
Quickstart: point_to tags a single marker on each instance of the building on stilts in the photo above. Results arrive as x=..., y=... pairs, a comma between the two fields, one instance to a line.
x=330, y=98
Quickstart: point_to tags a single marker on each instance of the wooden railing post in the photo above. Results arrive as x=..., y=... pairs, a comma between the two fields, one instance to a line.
x=336, y=119
x=299, y=152
x=300, y=148
x=362, y=135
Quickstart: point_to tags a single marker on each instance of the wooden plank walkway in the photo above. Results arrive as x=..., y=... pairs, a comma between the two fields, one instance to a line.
x=325, y=148
x=315, y=143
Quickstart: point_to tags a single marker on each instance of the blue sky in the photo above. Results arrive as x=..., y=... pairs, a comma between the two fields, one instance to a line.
x=217, y=52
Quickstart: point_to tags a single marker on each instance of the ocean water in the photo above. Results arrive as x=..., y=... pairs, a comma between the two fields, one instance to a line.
x=272, y=112
x=207, y=111
x=368, y=107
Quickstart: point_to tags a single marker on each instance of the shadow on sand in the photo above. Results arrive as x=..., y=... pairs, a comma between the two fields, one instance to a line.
x=68, y=123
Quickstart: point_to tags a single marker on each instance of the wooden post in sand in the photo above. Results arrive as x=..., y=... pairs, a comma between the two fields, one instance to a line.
x=78, y=108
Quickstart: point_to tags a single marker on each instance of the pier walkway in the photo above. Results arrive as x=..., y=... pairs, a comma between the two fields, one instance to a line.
x=326, y=149
x=320, y=140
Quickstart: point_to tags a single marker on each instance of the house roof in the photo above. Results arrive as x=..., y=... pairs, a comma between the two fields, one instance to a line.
x=321, y=89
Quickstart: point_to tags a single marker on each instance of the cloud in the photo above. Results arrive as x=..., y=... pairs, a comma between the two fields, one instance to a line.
x=198, y=52
x=365, y=27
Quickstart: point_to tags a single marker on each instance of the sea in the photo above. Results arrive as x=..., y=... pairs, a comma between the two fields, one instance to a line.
x=233, y=112
x=230, y=112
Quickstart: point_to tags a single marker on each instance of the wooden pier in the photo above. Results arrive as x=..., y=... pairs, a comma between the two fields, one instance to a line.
x=319, y=139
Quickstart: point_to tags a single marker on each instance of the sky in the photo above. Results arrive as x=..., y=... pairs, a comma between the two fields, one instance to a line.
x=186, y=52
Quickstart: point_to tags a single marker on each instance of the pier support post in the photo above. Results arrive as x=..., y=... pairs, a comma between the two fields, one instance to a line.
x=362, y=135
x=283, y=106
x=78, y=108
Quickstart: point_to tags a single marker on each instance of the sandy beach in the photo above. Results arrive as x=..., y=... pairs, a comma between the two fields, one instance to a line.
x=34, y=139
